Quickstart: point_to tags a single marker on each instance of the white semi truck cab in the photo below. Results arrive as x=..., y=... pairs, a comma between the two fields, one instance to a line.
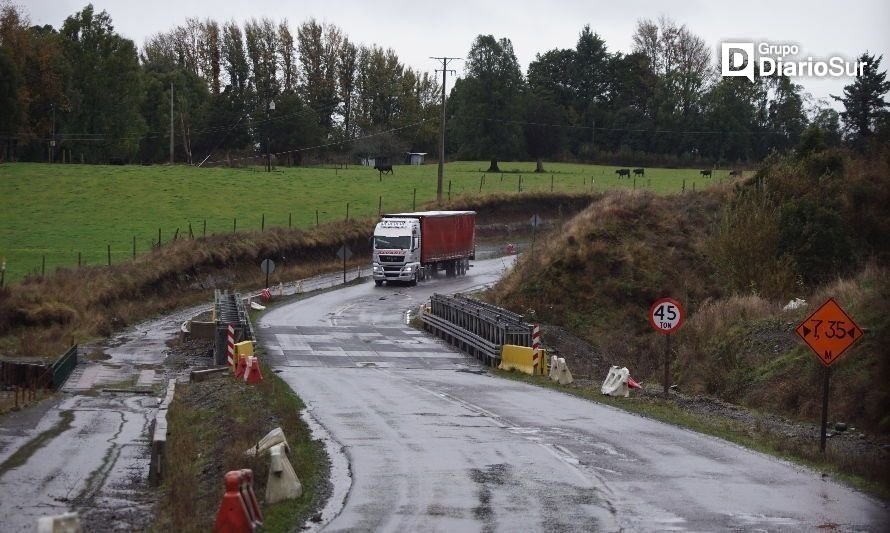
x=397, y=250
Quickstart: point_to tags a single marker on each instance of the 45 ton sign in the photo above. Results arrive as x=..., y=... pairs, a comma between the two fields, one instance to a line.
x=666, y=315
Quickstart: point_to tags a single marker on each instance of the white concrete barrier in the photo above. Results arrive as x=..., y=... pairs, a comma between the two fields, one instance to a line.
x=63, y=523
x=554, y=369
x=272, y=438
x=564, y=376
x=283, y=483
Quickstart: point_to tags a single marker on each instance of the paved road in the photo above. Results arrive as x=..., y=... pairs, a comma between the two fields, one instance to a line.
x=435, y=443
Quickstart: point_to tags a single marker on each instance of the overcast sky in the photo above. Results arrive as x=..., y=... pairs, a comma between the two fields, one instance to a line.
x=417, y=30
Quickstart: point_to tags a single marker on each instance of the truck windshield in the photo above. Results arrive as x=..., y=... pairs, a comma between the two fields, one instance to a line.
x=390, y=243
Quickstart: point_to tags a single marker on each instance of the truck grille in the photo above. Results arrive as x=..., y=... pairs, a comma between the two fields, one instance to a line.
x=392, y=258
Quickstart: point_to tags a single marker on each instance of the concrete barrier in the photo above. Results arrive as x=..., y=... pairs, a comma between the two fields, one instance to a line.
x=564, y=377
x=272, y=438
x=521, y=358
x=63, y=523
x=202, y=330
x=159, y=437
x=283, y=483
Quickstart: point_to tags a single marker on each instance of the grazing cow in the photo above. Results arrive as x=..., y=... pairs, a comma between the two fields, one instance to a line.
x=383, y=168
x=623, y=172
x=705, y=173
x=735, y=173
x=639, y=172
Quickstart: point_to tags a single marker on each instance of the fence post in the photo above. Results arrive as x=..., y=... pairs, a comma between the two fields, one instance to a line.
x=159, y=237
x=234, y=224
x=289, y=221
x=449, y=187
x=109, y=255
x=480, y=182
x=347, y=211
x=316, y=218
x=263, y=222
x=551, y=182
x=205, y=227
x=78, y=260
x=520, y=183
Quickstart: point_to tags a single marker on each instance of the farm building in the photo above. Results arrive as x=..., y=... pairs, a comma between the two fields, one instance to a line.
x=415, y=158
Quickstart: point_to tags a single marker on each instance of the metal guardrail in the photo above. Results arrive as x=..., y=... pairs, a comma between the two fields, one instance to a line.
x=228, y=309
x=63, y=367
x=476, y=327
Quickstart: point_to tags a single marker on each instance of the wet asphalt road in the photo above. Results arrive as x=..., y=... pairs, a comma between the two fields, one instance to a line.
x=434, y=443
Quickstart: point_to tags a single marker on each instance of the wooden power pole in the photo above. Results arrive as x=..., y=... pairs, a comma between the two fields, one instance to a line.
x=171, y=122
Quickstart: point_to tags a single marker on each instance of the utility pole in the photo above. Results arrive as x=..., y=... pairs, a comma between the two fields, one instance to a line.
x=445, y=71
x=171, y=122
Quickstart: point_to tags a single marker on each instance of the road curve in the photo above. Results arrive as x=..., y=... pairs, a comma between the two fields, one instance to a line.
x=433, y=442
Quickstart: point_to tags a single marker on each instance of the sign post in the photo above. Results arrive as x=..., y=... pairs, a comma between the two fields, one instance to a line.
x=666, y=316
x=344, y=253
x=267, y=266
x=536, y=221
x=828, y=331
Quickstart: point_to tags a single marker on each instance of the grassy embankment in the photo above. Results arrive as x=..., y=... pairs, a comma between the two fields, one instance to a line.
x=211, y=424
x=57, y=211
x=808, y=226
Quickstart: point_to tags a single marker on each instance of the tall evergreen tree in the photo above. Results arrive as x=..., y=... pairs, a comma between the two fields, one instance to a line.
x=864, y=105
x=489, y=100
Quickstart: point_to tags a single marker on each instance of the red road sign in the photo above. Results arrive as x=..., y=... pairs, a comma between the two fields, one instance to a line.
x=666, y=315
x=829, y=331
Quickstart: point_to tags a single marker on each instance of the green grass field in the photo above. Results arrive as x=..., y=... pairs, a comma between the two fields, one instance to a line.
x=57, y=211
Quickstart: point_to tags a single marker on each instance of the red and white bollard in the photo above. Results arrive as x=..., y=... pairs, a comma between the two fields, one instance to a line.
x=231, y=346
x=536, y=348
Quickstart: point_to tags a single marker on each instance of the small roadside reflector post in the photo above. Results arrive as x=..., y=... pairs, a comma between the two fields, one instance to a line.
x=666, y=316
x=828, y=331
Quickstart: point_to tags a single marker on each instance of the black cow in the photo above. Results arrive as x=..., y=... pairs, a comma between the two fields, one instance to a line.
x=705, y=173
x=639, y=172
x=383, y=168
x=623, y=172
x=735, y=173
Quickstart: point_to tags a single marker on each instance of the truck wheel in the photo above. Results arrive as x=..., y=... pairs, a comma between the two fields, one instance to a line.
x=378, y=282
x=414, y=281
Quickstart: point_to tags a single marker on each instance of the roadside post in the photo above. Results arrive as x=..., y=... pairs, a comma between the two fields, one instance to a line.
x=344, y=253
x=828, y=331
x=666, y=315
x=267, y=266
x=535, y=221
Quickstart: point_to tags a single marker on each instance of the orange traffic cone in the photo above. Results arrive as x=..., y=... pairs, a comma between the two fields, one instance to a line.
x=242, y=366
x=252, y=374
x=633, y=384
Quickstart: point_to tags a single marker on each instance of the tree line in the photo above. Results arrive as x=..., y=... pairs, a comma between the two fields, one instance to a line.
x=83, y=92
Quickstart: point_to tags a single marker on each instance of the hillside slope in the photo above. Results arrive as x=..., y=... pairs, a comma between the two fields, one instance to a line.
x=805, y=226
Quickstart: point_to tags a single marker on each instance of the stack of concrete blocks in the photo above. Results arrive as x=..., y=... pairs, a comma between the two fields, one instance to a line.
x=559, y=371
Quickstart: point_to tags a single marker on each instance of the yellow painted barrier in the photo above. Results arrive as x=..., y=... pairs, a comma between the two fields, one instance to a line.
x=244, y=348
x=521, y=358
